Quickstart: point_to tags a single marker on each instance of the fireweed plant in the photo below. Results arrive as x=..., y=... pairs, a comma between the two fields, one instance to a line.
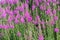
x=29, y=19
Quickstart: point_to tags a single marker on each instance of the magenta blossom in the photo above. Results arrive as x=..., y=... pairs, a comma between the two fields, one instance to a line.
x=4, y=14
x=55, y=18
x=54, y=11
x=2, y=2
x=48, y=11
x=42, y=7
x=1, y=26
x=27, y=1
x=40, y=37
x=16, y=21
x=18, y=34
x=56, y=29
x=33, y=7
x=42, y=22
x=5, y=26
x=29, y=18
x=52, y=22
x=22, y=20
x=37, y=2
x=27, y=14
x=11, y=26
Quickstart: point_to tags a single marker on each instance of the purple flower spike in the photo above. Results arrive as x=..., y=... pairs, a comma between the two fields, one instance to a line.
x=35, y=22
x=56, y=29
x=4, y=14
x=51, y=14
x=11, y=26
x=33, y=7
x=47, y=3
x=9, y=1
x=5, y=26
x=22, y=8
x=22, y=20
x=1, y=26
x=26, y=5
x=37, y=2
x=12, y=1
x=54, y=11
x=49, y=0
x=27, y=14
x=15, y=1
x=2, y=2
x=27, y=1
x=10, y=18
x=18, y=15
x=18, y=34
x=42, y=22
x=37, y=17
x=44, y=0
x=42, y=7
x=41, y=37
x=58, y=8
x=52, y=22
x=16, y=21
x=55, y=18
x=29, y=19
x=54, y=1
x=40, y=1
x=48, y=11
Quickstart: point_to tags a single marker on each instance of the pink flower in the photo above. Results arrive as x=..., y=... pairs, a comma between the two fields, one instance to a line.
x=52, y=22
x=9, y=1
x=54, y=11
x=1, y=26
x=27, y=1
x=4, y=14
x=35, y=22
x=51, y=14
x=37, y=2
x=29, y=18
x=18, y=34
x=18, y=15
x=44, y=0
x=10, y=18
x=2, y=2
x=48, y=11
x=33, y=7
x=27, y=14
x=55, y=18
x=5, y=26
x=22, y=19
x=16, y=21
x=21, y=8
x=15, y=1
x=54, y=1
x=26, y=5
x=42, y=22
x=11, y=26
x=37, y=17
x=47, y=3
x=40, y=1
x=1, y=9
x=42, y=7
x=59, y=8
x=49, y=0
x=12, y=1
x=56, y=29
x=40, y=37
